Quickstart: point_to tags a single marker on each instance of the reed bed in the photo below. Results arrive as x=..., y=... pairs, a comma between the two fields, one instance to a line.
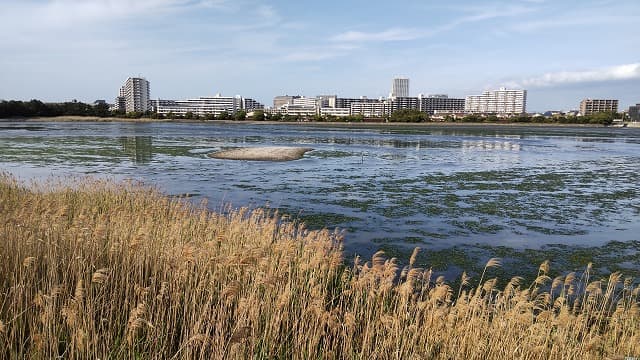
x=119, y=271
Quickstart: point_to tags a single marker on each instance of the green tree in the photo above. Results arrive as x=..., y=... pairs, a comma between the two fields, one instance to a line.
x=258, y=115
x=223, y=116
x=101, y=110
x=240, y=115
x=604, y=118
x=276, y=117
x=134, y=115
x=409, y=115
x=473, y=118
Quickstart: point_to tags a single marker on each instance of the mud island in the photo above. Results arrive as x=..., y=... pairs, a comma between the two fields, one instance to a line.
x=263, y=153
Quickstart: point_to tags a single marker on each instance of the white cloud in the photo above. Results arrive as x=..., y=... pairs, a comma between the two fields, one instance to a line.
x=582, y=21
x=619, y=72
x=396, y=34
x=405, y=34
x=55, y=14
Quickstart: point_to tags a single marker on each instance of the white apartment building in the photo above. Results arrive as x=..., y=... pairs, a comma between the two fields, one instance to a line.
x=204, y=105
x=333, y=111
x=280, y=100
x=295, y=110
x=327, y=101
x=399, y=88
x=134, y=95
x=304, y=101
x=501, y=101
x=370, y=109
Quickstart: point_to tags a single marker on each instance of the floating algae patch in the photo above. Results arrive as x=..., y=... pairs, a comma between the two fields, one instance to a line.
x=471, y=258
x=325, y=154
x=613, y=256
x=477, y=226
x=322, y=220
x=314, y=221
x=361, y=205
x=407, y=240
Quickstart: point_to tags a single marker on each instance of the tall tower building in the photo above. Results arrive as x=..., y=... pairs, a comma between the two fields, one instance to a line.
x=135, y=95
x=400, y=88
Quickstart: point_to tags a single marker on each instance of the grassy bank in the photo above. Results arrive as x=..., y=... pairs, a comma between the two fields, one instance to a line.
x=106, y=270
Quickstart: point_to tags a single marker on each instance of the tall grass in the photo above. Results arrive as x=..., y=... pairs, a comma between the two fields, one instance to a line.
x=103, y=270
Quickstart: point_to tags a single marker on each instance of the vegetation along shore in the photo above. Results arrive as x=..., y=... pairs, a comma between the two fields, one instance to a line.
x=104, y=270
x=78, y=111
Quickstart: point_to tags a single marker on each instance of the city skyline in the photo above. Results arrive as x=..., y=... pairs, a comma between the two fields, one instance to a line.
x=560, y=52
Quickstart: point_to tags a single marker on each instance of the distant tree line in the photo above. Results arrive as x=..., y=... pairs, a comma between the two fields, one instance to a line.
x=603, y=118
x=36, y=108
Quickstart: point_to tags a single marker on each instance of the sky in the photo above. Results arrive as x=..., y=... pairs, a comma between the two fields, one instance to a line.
x=561, y=51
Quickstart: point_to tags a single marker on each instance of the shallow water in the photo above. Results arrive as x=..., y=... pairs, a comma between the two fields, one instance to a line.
x=475, y=190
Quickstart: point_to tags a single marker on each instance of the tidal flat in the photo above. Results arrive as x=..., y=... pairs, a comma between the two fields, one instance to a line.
x=462, y=194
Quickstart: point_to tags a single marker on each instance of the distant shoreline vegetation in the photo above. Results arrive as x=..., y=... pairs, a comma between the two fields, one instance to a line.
x=36, y=108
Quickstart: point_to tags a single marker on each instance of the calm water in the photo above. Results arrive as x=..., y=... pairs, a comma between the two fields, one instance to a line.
x=516, y=189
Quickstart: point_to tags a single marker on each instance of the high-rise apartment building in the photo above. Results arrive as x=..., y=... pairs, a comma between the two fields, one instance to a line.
x=403, y=103
x=432, y=103
x=206, y=105
x=249, y=105
x=346, y=102
x=327, y=101
x=592, y=106
x=281, y=100
x=305, y=101
x=399, y=88
x=134, y=95
x=501, y=101
x=370, y=109
x=634, y=112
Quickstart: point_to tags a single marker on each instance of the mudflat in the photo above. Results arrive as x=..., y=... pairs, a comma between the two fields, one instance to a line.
x=262, y=153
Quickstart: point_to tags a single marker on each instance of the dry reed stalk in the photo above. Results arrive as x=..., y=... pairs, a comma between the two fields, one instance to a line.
x=245, y=285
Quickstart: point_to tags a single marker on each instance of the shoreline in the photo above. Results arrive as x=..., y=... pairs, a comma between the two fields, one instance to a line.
x=298, y=123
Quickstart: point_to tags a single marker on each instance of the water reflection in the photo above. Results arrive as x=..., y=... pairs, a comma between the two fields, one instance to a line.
x=490, y=145
x=139, y=148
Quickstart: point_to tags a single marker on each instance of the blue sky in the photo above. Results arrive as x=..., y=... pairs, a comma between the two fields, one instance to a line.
x=560, y=51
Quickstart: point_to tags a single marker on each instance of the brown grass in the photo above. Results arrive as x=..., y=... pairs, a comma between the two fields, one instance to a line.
x=100, y=270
